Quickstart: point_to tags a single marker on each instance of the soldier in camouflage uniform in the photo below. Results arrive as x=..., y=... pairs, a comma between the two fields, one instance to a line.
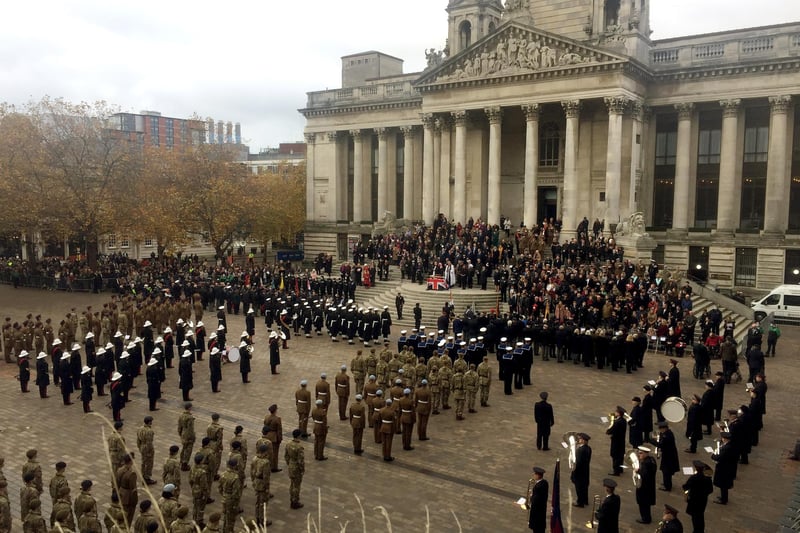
x=183, y=525
x=230, y=487
x=259, y=474
x=27, y=494
x=84, y=501
x=33, y=466
x=236, y=454
x=445, y=377
x=214, y=432
x=63, y=504
x=114, y=515
x=144, y=441
x=58, y=480
x=295, y=460
x=459, y=393
x=201, y=489
x=187, y=435
x=5, y=507
x=382, y=370
x=171, y=472
x=168, y=503
x=434, y=382
x=471, y=387
x=116, y=446
x=484, y=380
x=34, y=522
x=371, y=362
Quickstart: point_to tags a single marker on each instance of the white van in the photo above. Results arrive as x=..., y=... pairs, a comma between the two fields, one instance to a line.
x=783, y=300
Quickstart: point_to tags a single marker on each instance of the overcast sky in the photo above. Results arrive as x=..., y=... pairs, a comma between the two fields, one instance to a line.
x=252, y=61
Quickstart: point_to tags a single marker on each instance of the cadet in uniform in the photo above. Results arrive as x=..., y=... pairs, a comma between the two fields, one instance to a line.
x=260, y=475
x=230, y=487
x=357, y=415
x=302, y=400
x=422, y=407
x=275, y=435
x=471, y=387
x=607, y=514
x=295, y=460
x=187, y=435
x=144, y=441
x=201, y=489
x=459, y=394
x=484, y=380
x=407, y=418
x=214, y=432
x=537, y=518
x=342, y=382
x=126, y=484
x=386, y=421
x=171, y=472
x=320, y=417
x=32, y=466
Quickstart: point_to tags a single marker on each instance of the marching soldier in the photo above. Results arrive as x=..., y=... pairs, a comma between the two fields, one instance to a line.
x=386, y=422
x=302, y=400
x=359, y=367
x=275, y=435
x=342, y=382
x=260, y=474
x=320, y=417
x=357, y=416
x=214, y=432
x=144, y=441
x=171, y=472
x=201, y=489
x=187, y=435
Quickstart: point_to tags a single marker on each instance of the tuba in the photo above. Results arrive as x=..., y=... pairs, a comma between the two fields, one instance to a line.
x=570, y=441
x=632, y=462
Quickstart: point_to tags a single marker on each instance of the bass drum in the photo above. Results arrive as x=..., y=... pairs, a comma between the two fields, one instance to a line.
x=233, y=355
x=674, y=409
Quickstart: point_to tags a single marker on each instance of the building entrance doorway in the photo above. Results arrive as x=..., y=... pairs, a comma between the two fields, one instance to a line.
x=548, y=203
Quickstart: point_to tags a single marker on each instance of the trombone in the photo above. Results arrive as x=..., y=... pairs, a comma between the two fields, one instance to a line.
x=528, y=494
x=590, y=523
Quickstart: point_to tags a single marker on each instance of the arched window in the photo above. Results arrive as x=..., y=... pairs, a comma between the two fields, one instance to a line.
x=464, y=35
x=549, y=144
x=492, y=27
x=612, y=13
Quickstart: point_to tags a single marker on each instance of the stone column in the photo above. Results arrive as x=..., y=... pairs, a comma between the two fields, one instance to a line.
x=637, y=147
x=444, y=165
x=310, y=192
x=437, y=157
x=683, y=159
x=383, y=170
x=616, y=107
x=460, y=186
x=776, y=215
x=358, y=177
x=569, y=213
x=728, y=203
x=427, y=169
x=495, y=116
x=408, y=172
x=530, y=197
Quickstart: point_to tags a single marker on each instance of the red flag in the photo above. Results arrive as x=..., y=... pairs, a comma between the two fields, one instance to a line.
x=555, y=518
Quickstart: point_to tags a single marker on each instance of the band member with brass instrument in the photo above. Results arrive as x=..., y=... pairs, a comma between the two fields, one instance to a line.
x=646, y=492
x=543, y=415
x=617, y=433
x=537, y=519
x=580, y=474
x=635, y=435
x=694, y=424
x=697, y=488
x=669, y=521
x=669, y=454
x=726, y=458
x=607, y=515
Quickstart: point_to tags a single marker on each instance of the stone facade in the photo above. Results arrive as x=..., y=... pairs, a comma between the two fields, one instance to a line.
x=566, y=109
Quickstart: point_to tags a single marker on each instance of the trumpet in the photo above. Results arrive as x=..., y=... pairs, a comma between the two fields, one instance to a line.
x=590, y=523
x=570, y=440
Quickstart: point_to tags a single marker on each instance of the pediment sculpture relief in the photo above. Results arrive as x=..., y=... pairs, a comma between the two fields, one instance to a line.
x=516, y=54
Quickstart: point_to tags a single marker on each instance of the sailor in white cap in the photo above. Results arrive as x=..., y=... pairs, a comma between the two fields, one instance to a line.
x=185, y=380
x=199, y=340
x=86, y=389
x=65, y=371
x=118, y=396
x=24, y=370
x=215, y=368
x=222, y=320
x=153, y=377
x=386, y=324
x=42, y=374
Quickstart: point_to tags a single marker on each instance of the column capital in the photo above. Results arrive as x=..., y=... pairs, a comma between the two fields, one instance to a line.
x=310, y=138
x=443, y=122
x=460, y=117
x=616, y=104
x=407, y=131
x=427, y=120
x=356, y=134
x=730, y=108
x=494, y=114
x=685, y=110
x=381, y=133
x=572, y=108
x=780, y=104
x=532, y=111
x=333, y=136
x=637, y=108
x=647, y=113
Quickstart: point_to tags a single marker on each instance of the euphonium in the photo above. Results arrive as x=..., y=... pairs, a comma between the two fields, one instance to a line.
x=632, y=461
x=570, y=440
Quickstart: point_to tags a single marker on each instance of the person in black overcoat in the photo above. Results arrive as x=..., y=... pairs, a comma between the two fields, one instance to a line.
x=646, y=492
x=185, y=380
x=607, y=514
x=707, y=407
x=117, y=396
x=42, y=374
x=725, y=472
x=274, y=352
x=635, y=435
x=580, y=474
x=646, y=420
x=103, y=370
x=24, y=370
x=244, y=359
x=669, y=454
x=250, y=321
x=756, y=416
x=694, y=424
x=153, y=378
x=537, y=519
x=65, y=372
x=617, y=433
x=215, y=368
x=543, y=416
x=673, y=379
x=697, y=488
x=660, y=393
x=87, y=390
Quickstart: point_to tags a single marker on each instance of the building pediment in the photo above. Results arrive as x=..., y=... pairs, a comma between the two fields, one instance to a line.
x=516, y=50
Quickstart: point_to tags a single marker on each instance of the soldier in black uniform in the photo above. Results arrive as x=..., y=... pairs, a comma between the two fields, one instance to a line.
x=543, y=416
x=697, y=489
x=507, y=369
x=607, y=514
x=537, y=519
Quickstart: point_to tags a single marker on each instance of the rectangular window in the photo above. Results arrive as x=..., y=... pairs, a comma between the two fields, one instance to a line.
x=112, y=241
x=658, y=254
x=746, y=267
x=549, y=145
x=708, y=147
x=148, y=243
x=794, y=191
x=154, y=132
x=124, y=242
x=791, y=272
x=756, y=144
x=754, y=168
x=666, y=147
x=169, y=132
x=698, y=262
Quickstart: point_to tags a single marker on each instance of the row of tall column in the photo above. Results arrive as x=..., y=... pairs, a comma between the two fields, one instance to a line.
x=776, y=210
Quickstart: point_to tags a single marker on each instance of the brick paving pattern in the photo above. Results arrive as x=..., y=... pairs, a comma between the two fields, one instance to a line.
x=475, y=469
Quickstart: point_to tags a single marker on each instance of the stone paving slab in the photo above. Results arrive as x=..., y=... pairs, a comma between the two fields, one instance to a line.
x=474, y=469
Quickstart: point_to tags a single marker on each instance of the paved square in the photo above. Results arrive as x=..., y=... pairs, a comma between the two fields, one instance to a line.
x=473, y=469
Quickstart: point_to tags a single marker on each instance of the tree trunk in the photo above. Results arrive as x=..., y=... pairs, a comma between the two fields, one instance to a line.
x=92, y=251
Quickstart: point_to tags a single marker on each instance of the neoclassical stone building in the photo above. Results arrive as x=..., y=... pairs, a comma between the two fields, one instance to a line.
x=567, y=109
